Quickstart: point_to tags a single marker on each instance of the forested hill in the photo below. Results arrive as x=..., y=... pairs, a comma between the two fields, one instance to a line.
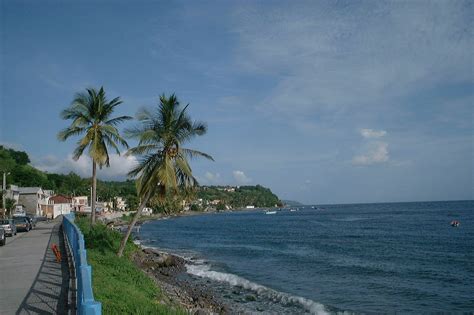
x=22, y=174
x=239, y=197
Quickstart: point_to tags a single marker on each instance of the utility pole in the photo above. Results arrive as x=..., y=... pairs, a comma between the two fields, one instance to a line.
x=4, y=189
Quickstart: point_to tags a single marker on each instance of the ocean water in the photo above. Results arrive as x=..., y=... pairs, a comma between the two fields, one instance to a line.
x=360, y=258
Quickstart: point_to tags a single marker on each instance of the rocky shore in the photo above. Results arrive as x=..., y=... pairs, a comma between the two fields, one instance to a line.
x=169, y=272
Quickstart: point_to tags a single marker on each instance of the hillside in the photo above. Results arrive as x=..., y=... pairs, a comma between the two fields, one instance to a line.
x=22, y=174
x=239, y=197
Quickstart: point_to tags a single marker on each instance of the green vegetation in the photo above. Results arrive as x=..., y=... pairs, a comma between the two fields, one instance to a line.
x=120, y=285
x=91, y=118
x=73, y=184
x=163, y=168
x=25, y=175
x=243, y=196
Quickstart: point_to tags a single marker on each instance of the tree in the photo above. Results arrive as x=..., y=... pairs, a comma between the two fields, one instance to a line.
x=9, y=206
x=163, y=166
x=91, y=118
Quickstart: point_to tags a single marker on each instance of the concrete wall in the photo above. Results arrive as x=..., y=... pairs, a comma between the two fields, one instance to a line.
x=30, y=201
x=61, y=209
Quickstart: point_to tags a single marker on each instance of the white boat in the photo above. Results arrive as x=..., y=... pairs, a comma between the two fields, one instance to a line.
x=270, y=212
x=293, y=210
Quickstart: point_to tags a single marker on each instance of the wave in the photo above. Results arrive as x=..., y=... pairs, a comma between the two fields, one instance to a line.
x=204, y=271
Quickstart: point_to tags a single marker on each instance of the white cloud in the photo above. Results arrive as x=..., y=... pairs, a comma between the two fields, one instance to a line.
x=371, y=133
x=377, y=153
x=241, y=178
x=328, y=61
x=211, y=178
x=119, y=166
x=14, y=146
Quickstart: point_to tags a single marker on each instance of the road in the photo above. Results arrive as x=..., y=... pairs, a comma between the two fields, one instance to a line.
x=31, y=281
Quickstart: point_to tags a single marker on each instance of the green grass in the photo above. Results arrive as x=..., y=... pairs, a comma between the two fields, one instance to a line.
x=118, y=284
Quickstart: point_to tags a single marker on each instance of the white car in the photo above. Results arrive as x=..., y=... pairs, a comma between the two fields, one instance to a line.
x=9, y=226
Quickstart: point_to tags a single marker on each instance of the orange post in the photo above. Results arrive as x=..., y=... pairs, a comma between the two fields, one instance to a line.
x=56, y=252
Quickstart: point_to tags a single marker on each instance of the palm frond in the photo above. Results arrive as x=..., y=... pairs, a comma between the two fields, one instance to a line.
x=195, y=154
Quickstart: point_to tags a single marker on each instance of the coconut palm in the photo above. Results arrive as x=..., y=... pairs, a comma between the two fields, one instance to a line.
x=162, y=167
x=91, y=113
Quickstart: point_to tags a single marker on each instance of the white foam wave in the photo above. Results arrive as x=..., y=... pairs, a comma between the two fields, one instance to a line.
x=234, y=280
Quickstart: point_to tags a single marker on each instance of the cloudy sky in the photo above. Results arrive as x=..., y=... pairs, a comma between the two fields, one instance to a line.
x=323, y=102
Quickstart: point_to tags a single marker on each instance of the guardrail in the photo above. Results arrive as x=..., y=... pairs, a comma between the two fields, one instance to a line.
x=86, y=305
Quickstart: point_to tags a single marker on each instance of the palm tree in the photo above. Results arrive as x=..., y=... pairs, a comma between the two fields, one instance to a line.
x=9, y=206
x=163, y=166
x=91, y=118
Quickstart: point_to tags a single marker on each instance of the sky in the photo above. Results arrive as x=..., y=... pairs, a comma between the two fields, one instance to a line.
x=321, y=101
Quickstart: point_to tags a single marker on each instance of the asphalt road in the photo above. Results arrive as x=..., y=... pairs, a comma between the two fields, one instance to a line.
x=20, y=262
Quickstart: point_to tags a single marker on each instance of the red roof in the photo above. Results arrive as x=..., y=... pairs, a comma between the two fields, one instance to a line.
x=61, y=199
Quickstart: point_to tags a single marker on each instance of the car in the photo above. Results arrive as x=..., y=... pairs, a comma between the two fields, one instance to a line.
x=9, y=226
x=22, y=224
x=3, y=238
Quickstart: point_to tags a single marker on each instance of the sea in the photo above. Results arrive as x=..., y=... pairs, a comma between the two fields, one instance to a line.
x=330, y=259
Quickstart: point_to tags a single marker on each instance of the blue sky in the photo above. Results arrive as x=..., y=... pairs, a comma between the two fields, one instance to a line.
x=323, y=102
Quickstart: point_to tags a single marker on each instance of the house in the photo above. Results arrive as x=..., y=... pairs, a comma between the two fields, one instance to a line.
x=108, y=205
x=120, y=203
x=79, y=203
x=147, y=211
x=13, y=193
x=34, y=199
x=58, y=205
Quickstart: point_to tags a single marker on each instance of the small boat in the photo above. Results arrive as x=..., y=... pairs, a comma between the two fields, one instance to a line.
x=293, y=210
x=455, y=223
x=270, y=212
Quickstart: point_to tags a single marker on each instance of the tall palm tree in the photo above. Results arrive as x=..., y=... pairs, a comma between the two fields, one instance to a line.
x=163, y=166
x=91, y=113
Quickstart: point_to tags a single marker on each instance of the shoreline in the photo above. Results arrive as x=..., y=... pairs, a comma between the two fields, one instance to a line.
x=168, y=271
x=182, y=286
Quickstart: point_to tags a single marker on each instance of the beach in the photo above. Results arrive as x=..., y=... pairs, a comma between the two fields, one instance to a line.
x=169, y=272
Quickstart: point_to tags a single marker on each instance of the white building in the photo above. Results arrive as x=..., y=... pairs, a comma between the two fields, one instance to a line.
x=120, y=203
x=58, y=205
x=147, y=211
x=34, y=199
x=79, y=203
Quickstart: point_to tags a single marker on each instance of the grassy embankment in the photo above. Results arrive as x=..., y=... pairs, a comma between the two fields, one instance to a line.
x=117, y=282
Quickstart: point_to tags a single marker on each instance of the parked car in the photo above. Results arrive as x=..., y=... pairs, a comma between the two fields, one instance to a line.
x=3, y=238
x=9, y=226
x=22, y=223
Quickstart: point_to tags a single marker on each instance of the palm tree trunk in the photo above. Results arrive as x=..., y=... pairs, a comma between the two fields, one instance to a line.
x=132, y=224
x=94, y=191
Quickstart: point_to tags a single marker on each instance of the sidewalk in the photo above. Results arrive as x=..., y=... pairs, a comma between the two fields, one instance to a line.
x=31, y=281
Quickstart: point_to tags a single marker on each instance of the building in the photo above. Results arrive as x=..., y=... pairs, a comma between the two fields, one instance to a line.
x=80, y=203
x=120, y=203
x=34, y=200
x=58, y=205
x=215, y=202
x=147, y=211
x=13, y=193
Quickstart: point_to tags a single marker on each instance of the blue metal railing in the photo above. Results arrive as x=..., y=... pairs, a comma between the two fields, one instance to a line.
x=86, y=305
